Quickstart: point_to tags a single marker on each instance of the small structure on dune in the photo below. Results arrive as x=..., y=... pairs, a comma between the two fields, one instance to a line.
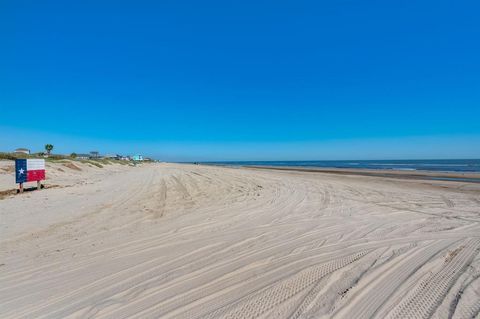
x=22, y=151
x=122, y=157
x=83, y=156
x=138, y=158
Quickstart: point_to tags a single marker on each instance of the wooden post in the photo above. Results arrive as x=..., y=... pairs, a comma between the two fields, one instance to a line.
x=21, y=187
x=39, y=185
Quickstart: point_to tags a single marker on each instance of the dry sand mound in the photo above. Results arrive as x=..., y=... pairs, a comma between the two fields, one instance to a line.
x=181, y=241
x=72, y=166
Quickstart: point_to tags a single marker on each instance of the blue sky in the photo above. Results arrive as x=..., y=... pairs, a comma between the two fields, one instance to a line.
x=251, y=80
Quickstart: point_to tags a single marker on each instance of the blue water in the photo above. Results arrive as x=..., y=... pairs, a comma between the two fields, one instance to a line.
x=459, y=165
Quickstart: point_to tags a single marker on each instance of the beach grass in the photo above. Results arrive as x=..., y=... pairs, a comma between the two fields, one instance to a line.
x=57, y=158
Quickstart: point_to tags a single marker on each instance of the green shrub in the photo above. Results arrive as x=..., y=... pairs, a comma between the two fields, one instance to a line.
x=9, y=156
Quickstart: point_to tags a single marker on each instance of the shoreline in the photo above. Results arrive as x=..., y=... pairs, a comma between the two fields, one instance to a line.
x=418, y=175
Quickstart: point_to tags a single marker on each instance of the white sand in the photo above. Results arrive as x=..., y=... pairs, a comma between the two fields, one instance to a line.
x=184, y=241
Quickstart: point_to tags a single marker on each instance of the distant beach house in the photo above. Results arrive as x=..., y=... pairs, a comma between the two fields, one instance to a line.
x=122, y=157
x=22, y=150
x=137, y=158
x=83, y=156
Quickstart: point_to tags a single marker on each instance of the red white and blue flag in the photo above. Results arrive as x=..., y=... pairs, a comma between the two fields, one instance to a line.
x=29, y=170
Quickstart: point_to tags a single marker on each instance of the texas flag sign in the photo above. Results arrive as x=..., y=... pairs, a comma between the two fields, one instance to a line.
x=29, y=170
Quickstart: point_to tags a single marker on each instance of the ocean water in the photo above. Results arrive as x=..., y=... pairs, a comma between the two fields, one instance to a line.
x=450, y=165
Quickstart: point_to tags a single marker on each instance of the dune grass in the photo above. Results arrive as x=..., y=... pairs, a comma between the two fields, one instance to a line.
x=56, y=158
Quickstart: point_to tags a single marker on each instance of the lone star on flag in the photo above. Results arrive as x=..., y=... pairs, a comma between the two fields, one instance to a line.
x=29, y=170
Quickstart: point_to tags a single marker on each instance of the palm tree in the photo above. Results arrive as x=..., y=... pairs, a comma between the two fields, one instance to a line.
x=48, y=148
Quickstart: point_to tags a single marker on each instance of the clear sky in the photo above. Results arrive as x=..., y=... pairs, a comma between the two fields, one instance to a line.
x=244, y=80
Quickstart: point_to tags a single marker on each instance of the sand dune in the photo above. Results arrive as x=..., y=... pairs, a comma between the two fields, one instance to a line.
x=184, y=241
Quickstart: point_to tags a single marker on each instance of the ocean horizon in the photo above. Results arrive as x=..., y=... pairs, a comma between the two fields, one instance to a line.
x=436, y=165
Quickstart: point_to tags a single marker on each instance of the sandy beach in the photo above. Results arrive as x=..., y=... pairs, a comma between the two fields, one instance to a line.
x=193, y=241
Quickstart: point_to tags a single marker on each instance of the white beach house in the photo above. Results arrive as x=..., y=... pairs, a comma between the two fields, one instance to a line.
x=22, y=150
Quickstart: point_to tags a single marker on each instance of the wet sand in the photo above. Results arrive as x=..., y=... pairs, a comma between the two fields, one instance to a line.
x=405, y=174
